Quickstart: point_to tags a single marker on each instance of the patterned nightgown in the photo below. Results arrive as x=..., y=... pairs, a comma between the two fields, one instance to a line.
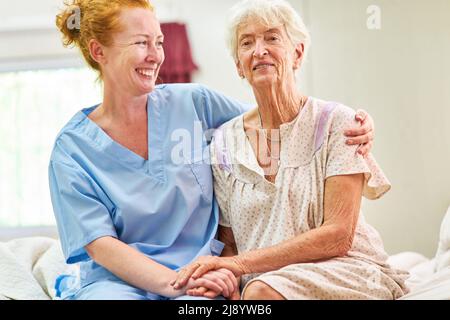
x=263, y=214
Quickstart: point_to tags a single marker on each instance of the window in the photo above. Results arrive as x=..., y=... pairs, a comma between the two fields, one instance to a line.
x=34, y=106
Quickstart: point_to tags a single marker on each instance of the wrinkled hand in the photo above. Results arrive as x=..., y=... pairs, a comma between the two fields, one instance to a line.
x=204, y=264
x=362, y=135
x=222, y=277
x=211, y=287
x=203, y=292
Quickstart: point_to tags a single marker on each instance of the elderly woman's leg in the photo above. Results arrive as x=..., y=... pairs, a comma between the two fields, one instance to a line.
x=343, y=278
x=258, y=290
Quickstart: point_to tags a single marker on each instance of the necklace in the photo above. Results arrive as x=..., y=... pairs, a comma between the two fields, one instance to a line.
x=269, y=151
x=266, y=136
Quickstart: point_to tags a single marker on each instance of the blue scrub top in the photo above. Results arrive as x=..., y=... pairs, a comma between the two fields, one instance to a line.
x=162, y=208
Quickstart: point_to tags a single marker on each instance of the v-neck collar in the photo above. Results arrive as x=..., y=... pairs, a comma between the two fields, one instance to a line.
x=123, y=154
x=245, y=154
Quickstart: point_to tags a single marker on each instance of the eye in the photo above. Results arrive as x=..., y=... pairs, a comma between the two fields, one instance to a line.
x=246, y=43
x=273, y=38
x=142, y=43
x=159, y=43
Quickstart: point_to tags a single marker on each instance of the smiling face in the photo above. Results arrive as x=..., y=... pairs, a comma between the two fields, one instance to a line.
x=133, y=61
x=266, y=55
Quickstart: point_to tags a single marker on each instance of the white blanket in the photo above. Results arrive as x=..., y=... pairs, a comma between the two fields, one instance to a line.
x=434, y=287
x=430, y=279
x=29, y=267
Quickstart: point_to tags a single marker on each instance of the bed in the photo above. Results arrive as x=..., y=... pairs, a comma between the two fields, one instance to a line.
x=429, y=278
x=29, y=266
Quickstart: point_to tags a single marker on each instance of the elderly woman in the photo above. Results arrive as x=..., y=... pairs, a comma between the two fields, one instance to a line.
x=128, y=213
x=288, y=187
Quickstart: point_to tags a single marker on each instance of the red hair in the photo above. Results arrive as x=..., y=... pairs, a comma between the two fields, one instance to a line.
x=80, y=21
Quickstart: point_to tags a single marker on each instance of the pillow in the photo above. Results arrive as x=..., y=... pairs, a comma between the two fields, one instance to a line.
x=443, y=252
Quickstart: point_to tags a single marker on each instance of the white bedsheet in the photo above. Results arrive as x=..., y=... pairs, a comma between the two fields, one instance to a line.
x=430, y=278
x=29, y=267
x=425, y=282
x=434, y=287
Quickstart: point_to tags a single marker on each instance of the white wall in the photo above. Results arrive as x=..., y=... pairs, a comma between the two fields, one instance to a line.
x=29, y=38
x=400, y=74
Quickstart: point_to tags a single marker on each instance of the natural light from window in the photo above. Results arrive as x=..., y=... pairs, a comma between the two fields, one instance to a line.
x=34, y=106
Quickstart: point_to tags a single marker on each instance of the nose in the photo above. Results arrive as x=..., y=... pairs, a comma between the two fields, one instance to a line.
x=260, y=49
x=154, y=54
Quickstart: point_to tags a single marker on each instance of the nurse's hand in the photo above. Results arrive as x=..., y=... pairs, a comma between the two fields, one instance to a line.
x=222, y=277
x=203, y=292
x=362, y=135
x=213, y=286
x=204, y=264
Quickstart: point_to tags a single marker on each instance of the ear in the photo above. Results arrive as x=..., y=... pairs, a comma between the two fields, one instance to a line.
x=97, y=51
x=298, y=58
x=239, y=69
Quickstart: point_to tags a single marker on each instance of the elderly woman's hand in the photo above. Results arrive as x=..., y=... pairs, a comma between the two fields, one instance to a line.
x=207, y=263
x=203, y=292
x=222, y=277
x=362, y=135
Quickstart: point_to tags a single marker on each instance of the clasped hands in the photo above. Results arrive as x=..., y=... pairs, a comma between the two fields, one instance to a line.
x=210, y=277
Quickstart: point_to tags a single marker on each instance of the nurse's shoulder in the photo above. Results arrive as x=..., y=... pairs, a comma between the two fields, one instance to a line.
x=70, y=136
x=180, y=91
x=211, y=106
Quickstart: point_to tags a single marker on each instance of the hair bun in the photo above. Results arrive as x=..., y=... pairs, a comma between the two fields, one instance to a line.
x=68, y=22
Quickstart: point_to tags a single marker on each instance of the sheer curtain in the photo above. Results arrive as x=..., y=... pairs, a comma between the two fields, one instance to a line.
x=34, y=106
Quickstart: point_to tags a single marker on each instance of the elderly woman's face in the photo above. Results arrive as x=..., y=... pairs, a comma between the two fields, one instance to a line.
x=266, y=55
x=134, y=59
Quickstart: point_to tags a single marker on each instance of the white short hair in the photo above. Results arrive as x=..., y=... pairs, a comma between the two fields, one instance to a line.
x=270, y=13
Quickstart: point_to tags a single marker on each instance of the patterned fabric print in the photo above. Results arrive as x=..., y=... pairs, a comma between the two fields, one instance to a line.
x=263, y=214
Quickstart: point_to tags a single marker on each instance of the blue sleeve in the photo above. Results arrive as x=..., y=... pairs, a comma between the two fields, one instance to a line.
x=80, y=215
x=215, y=108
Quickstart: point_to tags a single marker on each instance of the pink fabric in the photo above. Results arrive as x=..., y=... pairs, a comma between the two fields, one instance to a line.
x=320, y=130
x=221, y=151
